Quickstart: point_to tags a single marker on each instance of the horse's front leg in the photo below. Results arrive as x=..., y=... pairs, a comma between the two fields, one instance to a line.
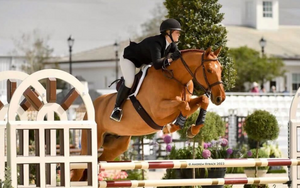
x=193, y=105
x=168, y=107
x=195, y=128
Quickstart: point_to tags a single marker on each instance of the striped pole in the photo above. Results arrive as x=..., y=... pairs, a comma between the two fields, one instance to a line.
x=201, y=163
x=191, y=182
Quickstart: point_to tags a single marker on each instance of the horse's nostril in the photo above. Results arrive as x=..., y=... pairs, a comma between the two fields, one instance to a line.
x=219, y=99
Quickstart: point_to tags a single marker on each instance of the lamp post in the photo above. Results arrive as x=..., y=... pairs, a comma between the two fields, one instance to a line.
x=262, y=44
x=116, y=45
x=70, y=43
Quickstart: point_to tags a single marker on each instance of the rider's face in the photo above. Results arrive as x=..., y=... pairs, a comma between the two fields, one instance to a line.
x=176, y=35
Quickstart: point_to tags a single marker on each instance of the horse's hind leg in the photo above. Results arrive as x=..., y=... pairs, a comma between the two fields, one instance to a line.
x=114, y=146
x=77, y=174
x=81, y=174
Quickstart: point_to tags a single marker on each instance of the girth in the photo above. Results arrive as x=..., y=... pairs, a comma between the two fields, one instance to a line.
x=144, y=115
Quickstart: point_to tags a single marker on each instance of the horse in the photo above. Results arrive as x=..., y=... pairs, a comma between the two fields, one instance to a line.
x=164, y=94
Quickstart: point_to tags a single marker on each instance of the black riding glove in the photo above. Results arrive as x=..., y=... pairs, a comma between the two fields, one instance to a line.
x=173, y=47
x=175, y=55
x=165, y=63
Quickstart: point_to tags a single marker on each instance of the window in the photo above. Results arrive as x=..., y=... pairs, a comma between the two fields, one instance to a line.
x=295, y=81
x=267, y=9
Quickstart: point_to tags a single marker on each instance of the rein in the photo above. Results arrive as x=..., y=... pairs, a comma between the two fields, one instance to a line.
x=207, y=91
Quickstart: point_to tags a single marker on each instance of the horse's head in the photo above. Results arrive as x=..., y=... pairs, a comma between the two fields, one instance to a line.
x=202, y=66
x=208, y=76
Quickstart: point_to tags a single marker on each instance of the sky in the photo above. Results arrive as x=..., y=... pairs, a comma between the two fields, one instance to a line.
x=92, y=23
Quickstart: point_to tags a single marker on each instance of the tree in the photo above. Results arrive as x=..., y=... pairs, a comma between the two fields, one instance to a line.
x=151, y=27
x=201, y=23
x=35, y=49
x=251, y=67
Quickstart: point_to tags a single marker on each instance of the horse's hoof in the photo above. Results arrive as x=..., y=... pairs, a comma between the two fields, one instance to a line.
x=189, y=133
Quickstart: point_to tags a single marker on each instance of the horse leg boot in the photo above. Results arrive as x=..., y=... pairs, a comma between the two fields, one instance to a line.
x=194, y=129
x=179, y=124
x=121, y=97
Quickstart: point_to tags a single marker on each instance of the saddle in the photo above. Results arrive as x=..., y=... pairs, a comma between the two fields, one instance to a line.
x=138, y=80
x=137, y=83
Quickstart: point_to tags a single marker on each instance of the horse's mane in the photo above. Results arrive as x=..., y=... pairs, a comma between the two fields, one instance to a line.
x=192, y=50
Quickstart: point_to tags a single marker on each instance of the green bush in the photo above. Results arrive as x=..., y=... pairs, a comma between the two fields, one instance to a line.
x=135, y=174
x=186, y=153
x=261, y=126
x=7, y=181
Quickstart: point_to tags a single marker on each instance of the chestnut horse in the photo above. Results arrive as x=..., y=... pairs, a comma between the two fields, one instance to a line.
x=164, y=95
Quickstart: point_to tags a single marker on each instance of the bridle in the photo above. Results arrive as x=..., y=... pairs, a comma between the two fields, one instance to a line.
x=207, y=91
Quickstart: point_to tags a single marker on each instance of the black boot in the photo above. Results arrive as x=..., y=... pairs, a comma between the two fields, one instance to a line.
x=121, y=97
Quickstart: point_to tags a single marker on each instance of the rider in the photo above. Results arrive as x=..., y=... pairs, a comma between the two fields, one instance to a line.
x=153, y=49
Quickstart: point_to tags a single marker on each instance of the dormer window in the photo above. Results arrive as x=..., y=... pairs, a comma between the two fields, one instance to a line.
x=267, y=9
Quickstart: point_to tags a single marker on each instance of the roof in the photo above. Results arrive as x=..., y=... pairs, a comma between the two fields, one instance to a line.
x=97, y=54
x=283, y=42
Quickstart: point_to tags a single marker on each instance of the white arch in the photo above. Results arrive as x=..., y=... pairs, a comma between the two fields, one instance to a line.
x=294, y=124
x=4, y=76
x=48, y=109
x=47, y=73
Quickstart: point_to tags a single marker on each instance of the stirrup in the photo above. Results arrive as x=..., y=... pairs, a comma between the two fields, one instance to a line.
x=116, y=114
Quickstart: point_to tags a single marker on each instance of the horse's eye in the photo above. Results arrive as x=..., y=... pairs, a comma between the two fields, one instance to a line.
x=209, y=70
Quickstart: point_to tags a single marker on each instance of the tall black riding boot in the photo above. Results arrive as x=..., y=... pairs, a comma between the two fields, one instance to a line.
x=121, y=97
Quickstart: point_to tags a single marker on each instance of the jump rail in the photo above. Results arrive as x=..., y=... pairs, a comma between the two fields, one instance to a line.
x=201, y=163
x=191, y=182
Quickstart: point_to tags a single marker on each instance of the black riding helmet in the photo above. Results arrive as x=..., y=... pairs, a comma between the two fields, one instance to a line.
x=170, y=24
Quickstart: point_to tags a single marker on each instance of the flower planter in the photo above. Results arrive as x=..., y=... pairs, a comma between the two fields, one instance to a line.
x=216, y=173
x=200, y=173
x=250, y=173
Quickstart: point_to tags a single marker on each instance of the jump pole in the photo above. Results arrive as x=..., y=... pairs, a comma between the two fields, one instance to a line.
x=201, y=163
x=191, y=182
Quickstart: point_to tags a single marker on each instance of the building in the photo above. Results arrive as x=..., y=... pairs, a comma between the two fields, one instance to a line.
x=277, y=21
x=247, y=21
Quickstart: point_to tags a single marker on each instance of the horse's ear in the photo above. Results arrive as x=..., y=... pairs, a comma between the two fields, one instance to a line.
x=217, y=51
x=208, y=51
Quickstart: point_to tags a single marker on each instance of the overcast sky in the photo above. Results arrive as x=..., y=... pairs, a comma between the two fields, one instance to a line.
x=92, y=23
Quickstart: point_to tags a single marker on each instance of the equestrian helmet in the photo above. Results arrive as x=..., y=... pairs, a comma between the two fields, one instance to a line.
x=170, y=24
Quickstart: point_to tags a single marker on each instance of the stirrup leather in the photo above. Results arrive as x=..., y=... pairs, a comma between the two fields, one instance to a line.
x=116, y=114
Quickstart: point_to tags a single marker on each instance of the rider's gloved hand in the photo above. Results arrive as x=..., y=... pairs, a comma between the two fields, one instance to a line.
x=166, y=63
x=175, y=55
x=173, y=47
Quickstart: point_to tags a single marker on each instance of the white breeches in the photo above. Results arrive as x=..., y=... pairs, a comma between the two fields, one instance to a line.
x=128, y=71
